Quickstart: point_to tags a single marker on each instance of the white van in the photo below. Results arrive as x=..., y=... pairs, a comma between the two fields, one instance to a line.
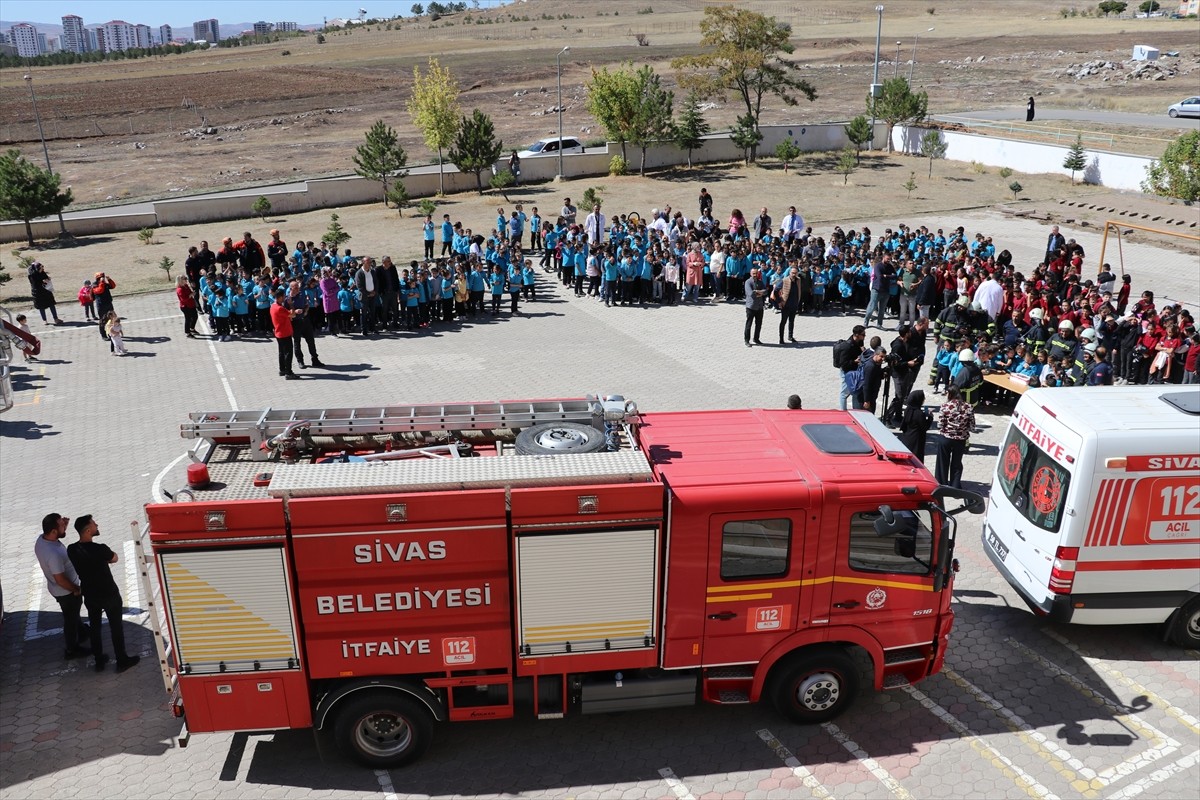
x=1094, y=514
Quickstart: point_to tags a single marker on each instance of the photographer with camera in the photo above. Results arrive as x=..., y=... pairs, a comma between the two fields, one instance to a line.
x=905, y=358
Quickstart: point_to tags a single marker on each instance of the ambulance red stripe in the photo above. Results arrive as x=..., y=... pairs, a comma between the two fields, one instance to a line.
x=1095, y=527
x=1122, y=566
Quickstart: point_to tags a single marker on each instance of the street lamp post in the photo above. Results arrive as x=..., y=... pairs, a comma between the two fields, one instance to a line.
x=913, y=63
x=875, y=74
x=896, y=70
x=558, y=69
x=62, y=226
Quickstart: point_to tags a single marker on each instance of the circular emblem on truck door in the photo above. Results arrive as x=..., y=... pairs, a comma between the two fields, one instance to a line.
x=876, y=598
x=1046, y=490
x=1012, y=461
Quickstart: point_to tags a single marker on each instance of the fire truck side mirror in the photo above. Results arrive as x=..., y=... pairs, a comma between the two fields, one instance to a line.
x=973, y=502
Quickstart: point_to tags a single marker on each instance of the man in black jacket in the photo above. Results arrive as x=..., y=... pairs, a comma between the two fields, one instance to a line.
x=100, y=593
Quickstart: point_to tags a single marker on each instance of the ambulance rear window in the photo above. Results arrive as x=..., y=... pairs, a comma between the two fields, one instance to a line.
x=838, y=440
x=1033, y=482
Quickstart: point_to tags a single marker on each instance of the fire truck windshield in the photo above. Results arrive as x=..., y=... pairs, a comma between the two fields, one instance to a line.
x=1032, y=481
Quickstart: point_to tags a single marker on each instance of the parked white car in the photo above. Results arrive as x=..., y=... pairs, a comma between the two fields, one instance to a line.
x=1185, y=108
x=549, y=147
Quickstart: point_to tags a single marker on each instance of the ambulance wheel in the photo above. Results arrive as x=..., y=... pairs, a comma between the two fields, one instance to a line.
x=559, y=437
x=383, y=729
x=1185, y=625
x=817, y=686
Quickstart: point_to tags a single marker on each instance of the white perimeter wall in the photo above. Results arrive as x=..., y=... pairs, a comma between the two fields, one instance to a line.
x=1106, y=169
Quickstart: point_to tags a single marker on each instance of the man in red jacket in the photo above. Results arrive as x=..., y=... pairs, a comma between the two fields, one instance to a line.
x=281, y=321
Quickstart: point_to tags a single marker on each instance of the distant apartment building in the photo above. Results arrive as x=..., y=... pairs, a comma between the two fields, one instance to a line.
x=164, y=34
x=43, y=45
x=262, y=29
x=145, y=37
x=74, y=39
x=119, y=36
x=206, y=30
x=95, y=40
x=292, y=27
x=24, y=37
x=1187, y=7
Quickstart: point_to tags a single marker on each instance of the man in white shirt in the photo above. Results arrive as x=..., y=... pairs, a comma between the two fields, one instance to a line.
x=62, y=581
x=792, y=226
x=990, y=296
x=593, y=226
x=659, y=223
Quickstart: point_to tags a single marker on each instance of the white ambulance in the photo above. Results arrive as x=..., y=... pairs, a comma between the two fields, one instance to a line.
x=1094, y=514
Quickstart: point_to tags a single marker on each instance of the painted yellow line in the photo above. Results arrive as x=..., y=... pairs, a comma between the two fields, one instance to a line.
x=731, y=598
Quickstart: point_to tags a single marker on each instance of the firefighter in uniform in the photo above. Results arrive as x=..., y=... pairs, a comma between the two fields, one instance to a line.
x=969, y=379
x=1036, y=336
x=949, y=328
x=1062, y=345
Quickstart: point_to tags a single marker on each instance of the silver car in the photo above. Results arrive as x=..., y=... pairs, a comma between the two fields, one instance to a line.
x=1189, y=107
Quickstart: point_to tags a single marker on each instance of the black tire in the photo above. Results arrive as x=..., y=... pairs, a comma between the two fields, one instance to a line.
x=1185, y=625
x=815, y=686
x=383, y=729
x=559, y=437
x=1172, y=113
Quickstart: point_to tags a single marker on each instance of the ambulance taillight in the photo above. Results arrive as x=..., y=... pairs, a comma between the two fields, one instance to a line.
x=1062, y=576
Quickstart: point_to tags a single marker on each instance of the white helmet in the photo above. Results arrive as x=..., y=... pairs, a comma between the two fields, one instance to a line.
x=1037, y=314
x=1090, y=347
x=1089, y=334
x=1066, y=325
x=966, y=355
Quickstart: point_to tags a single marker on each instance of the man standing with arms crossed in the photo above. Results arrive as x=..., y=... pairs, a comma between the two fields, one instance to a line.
x=92, y=561
x=62, y=581
x=281, y=322
x=756, y=298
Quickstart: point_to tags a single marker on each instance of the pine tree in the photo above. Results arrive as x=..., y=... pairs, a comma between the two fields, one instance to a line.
x=476, y=147
x=859, y=133
x=933, y=147
x=745, y=135
x=335, y=234
x=380, y=157
x=847, y=162
x=27, y=191
x=691, y=128
x=1076, y=157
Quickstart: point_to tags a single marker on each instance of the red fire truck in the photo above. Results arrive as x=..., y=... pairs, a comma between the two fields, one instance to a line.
x=367, y=572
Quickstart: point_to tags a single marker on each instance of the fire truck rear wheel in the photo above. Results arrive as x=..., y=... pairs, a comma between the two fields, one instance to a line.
x=1185, y=629
x=383, y=729
x=559, y=437
x=815, y=687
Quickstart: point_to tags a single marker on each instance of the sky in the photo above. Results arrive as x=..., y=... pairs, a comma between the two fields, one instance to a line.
x=182, y=13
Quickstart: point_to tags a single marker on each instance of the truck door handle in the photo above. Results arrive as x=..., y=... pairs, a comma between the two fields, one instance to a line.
x=846, y=604
x=723, y=615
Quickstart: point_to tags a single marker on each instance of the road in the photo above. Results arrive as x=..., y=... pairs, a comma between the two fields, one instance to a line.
x=1023, y=709
x=1079, y=115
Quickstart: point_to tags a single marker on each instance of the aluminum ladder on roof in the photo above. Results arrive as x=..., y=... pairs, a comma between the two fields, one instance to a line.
x=256, y=427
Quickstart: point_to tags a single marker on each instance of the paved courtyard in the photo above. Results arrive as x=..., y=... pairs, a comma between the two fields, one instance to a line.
x=1023, y=709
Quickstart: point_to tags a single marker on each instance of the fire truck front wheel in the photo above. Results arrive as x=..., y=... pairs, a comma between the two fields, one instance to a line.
x=1185, y=625
x=383, y=729
x=815, y=686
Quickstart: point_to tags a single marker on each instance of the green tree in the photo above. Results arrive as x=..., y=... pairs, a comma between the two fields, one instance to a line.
x=146, y=235
x=746, y=136
x=613, y=100
x=933, y=146
x=898, y=104
x=1149, y=6
x=787, y=151
x=1112, y=7
x=335, y=234
x=1177, y=173
x=591, y=196
x=1016, y=188
x=262, y=207
x=166, y=265
x=859, y=133
x=426, y=207
x=476, y=147
x=653, y=121
x=417, y=10
x=847, y=162
x=501, y=181
x=1076, y=157
x=434, y=109
x=691, y=128
x=743, y=54
x=911, y=183
x=380, y=157
x=27, y=191
x=398, y=194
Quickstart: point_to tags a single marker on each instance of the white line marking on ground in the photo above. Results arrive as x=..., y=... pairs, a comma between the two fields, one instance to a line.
x=1158, y=776
x=37, y=589
x=156, y=490
x=91, y=327
x=675, y=785
x=212, y=348
x=873, y=766
x=1162, y=744
x=385, y=784
x=1100, y=666
x=790, y=761
x=1001, y=761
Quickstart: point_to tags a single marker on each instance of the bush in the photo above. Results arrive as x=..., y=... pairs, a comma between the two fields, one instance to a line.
x=1006, y=172
x=146, y=235
x=598, y=141
x=1016, y=188
x=426, y=207
x=261, y=207
x=978, y=169
x=591, y=196
x=617, y=165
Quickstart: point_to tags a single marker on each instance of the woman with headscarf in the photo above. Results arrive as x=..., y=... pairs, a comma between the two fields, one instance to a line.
x=1029, y=110
x=915, y=423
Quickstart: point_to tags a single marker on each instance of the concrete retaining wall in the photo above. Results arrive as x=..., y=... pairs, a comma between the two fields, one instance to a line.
x=113, y=222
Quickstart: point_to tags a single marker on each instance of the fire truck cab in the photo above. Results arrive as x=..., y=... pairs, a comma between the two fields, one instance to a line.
x=367, y=572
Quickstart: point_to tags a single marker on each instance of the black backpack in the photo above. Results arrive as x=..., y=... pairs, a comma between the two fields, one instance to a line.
x=841, y=351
